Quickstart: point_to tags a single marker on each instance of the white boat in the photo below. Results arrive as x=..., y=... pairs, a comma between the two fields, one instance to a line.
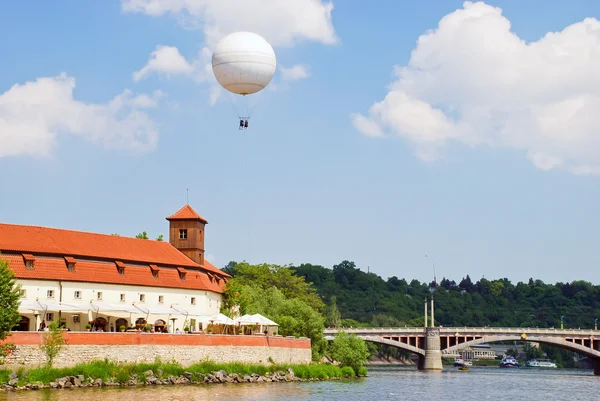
x=509, y=362
x=461, y=362
x=540, y=363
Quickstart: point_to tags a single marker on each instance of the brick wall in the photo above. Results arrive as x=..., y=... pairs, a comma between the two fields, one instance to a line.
x=144, y=347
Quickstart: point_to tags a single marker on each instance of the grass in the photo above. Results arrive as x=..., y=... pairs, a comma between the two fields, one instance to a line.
x=122, y=372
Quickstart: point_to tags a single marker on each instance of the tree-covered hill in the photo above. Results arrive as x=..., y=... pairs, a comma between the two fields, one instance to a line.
x=368, y=299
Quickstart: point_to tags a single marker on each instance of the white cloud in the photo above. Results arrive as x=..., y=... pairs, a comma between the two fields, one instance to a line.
x=475, y=82
x=33, y=114
x=294, y=73
x=366, y=126
x=166, y=60
x=281, y=22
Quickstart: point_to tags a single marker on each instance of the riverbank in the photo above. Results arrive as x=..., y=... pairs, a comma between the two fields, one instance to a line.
x=376, y=360
x=106, y=373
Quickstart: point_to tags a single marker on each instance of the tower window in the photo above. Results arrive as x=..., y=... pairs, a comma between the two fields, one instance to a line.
x=183, y=233
x=77, y=295
x=122, y=297
x=193, y=300
x=142, y=297
x=161, y=299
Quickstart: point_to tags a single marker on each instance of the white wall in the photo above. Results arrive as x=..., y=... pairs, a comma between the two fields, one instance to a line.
x=206, y=302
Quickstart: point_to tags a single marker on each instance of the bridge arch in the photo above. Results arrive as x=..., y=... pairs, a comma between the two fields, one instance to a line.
x=557, y=342
x=385, y=341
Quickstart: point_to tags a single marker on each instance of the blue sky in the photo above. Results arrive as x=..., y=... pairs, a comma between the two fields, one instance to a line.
x=484, y=153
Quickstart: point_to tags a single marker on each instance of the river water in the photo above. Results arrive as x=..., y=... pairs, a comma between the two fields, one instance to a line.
x=382, y=384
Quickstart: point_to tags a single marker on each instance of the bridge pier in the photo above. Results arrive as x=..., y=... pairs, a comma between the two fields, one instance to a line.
x=597, y=367
x=433, y=353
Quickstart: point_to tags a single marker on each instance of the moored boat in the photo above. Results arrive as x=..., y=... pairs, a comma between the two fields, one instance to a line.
x=461, y=362
x=509, y=362
x=540, y=363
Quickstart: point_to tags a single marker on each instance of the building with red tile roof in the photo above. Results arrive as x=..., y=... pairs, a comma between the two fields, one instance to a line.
x=65, y=274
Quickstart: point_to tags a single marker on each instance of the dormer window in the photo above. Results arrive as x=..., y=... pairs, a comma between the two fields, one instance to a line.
x=154, y=270
x=183, y=233
x=182, y=273
x=120, y=268
x=70, y=263
x=28, y=259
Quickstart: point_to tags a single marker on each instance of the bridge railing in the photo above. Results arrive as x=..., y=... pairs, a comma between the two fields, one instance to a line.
x=374, y=330
x=468, y=330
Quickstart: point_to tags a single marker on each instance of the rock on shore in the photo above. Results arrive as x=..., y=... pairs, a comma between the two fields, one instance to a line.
x=156, y=378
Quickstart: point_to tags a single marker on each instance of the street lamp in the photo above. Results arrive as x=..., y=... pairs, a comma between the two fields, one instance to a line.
x=562, y=317
x=432, y=290
x=433, y=264
x=596, y=324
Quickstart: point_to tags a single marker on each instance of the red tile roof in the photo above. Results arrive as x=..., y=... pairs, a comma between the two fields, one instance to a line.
x=51, y=241
x=187, y=213
x=28, y=240
x=54, y=268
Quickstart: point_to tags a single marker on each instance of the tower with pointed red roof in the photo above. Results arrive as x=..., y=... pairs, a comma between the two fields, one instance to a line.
x=186, y=233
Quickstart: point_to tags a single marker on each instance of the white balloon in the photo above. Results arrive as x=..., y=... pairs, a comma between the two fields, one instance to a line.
x=244, y=63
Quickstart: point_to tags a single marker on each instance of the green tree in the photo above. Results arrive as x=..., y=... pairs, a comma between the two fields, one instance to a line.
x=10, y=299
x=334, y=318
x=381, y=320
x=142, y=235
x=281, y=277
x=496, y=288
x=349, y=350
x=230, y=268
x=160, y=238
x=532, y=352
x=294, y=316
x=53, y=343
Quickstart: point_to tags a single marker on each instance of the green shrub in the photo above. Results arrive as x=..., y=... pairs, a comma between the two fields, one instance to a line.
x=122, y=372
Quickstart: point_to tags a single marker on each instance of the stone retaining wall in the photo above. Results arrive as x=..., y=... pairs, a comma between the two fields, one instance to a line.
x=145, y=347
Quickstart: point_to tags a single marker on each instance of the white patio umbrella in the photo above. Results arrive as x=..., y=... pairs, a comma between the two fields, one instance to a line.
x=256, y=319
x=220, y=318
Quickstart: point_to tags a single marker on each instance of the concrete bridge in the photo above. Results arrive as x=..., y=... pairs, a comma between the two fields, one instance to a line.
x=433, y=343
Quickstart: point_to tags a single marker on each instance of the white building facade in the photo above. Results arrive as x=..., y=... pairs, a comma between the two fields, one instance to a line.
x=86, y=281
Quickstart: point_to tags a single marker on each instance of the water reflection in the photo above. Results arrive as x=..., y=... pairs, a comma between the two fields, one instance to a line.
x=382, y=384
x=266, y=391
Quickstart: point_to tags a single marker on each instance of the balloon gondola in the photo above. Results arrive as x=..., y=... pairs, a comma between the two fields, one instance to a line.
x=244, y=63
